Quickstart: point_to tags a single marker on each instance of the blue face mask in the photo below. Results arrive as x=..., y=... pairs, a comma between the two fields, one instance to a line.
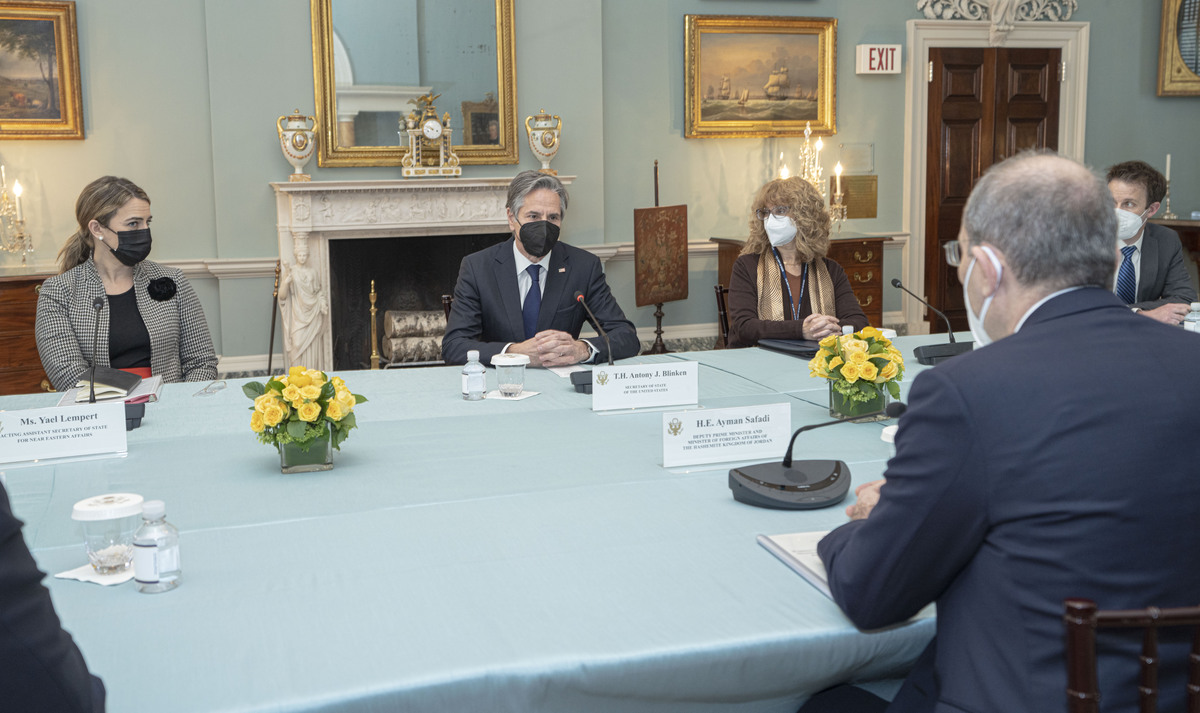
x=978, y=331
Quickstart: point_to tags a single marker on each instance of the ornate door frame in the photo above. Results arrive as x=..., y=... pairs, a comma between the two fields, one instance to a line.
x=1070, y=37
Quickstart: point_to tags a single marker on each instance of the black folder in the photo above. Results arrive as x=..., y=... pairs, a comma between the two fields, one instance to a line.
x=799, y=348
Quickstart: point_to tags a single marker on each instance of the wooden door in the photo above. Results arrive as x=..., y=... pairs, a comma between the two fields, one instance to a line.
x=985, y=104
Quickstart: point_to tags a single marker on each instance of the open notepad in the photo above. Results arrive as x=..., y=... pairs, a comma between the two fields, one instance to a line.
x=146, y=389
x=798, y=550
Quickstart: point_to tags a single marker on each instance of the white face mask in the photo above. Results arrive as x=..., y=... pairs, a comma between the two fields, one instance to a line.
x=780, y=229
x=1128, y=224
x=978, y=331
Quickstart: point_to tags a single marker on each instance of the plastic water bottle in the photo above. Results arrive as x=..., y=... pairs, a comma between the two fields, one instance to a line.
x=1192, y=321
x=474, y=378
x=155, y=550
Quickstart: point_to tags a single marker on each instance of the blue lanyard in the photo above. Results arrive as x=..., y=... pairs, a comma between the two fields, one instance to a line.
x=787, y=286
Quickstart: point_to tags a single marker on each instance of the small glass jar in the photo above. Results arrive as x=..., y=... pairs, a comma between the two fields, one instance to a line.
x=510, y=373
x=109, y=522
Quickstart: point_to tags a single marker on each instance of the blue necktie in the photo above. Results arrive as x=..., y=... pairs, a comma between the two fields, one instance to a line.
x=1126, y=280
x=533, y=302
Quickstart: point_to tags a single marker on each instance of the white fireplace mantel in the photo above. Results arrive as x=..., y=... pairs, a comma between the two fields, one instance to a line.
x=310, y=214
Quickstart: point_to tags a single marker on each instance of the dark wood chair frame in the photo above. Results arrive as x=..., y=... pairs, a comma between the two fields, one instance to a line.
x=1082, y=618
x=722, y=317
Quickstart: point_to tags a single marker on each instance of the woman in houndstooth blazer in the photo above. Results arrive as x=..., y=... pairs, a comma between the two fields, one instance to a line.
x=149, y=315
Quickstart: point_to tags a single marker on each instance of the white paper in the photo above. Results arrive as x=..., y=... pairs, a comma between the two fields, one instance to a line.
x=727, y=434
x=62, y=432
x=645, y=385
x=501, y=397
x=798, y=550
x=88, y=573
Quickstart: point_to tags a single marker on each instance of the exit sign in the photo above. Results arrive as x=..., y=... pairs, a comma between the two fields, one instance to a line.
x=878, y=59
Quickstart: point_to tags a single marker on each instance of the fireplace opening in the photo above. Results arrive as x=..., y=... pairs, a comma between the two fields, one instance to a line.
x=410, y=273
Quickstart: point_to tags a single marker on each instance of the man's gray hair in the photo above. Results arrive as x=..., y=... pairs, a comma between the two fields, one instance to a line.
x=527, y=182
x=1052, y=218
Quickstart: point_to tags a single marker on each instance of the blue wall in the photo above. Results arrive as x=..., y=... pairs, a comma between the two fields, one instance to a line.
x=183, y=96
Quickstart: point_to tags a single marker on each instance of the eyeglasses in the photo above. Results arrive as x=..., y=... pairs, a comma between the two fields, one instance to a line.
x=778, y=211
x=953, y=253
x=211, y=389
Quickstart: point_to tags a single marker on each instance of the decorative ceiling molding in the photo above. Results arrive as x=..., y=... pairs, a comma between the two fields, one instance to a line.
x=1001, y=13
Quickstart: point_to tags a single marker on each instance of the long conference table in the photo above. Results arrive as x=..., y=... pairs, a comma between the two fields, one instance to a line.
x=527, y=555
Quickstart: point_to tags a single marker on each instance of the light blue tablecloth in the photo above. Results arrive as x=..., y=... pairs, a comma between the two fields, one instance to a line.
x=500, y=556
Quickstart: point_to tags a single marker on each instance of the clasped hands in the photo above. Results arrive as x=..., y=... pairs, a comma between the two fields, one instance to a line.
x=552, y=348
x=819, y=326
x=1170, y=313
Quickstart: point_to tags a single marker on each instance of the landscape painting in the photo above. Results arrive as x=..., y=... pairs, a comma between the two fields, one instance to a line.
x=39, y=72
x=759, y=76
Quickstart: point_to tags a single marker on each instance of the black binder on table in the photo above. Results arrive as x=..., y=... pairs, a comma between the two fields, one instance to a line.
x=799, y=348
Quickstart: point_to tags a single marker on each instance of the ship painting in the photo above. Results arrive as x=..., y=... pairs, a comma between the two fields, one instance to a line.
x=725, y=87
x=777, y=85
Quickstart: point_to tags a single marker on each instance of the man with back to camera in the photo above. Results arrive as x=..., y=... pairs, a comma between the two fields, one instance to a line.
x=41, y=669
x=1152, y=277
x=493, y=310
x=1035, y=469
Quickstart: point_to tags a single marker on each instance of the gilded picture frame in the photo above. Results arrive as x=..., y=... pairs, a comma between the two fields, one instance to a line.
x=330, y=153
x=40, y=93
x=1179, y=49
x=758, y=76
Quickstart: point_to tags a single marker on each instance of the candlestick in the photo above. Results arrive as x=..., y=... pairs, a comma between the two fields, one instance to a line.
x=837, y=171
x=1168, y=167
x=17, y=191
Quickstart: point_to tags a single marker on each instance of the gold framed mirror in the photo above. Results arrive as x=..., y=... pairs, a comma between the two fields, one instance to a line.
x=372, y=59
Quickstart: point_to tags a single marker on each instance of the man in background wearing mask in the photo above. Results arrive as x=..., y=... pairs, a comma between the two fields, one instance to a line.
x=518, y=297
x=1033, y=469
x=1152, y=277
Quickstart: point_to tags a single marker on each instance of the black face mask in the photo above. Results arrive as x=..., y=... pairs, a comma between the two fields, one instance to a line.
x=538, y=237
x=132, y=246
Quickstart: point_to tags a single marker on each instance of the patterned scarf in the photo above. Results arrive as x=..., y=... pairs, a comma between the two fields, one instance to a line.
x=770, y=289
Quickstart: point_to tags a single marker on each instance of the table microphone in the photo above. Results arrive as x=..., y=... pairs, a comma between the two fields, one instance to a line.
x=596, y=324
x=97, y=304
x=934, y=353
x=583, y=379
x=799, y=485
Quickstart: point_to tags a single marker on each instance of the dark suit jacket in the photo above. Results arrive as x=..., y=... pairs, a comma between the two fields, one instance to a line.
x=41, y=669
x=1029, y=471
x=487, y=304
x=181, y=347
x=1164, y=277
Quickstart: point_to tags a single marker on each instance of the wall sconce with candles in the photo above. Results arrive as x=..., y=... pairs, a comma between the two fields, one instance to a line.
x=13, y=238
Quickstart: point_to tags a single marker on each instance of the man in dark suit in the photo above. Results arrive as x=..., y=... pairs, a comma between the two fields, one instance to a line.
x=496, y=308
x=1034, y=469
x=1152, y=278
x=41, y=669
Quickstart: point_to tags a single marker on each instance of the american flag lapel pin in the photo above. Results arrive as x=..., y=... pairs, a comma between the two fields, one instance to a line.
x=562, y=269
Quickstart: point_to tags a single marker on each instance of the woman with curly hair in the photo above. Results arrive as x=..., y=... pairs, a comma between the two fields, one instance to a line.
x=147, y=315
x=783, y=286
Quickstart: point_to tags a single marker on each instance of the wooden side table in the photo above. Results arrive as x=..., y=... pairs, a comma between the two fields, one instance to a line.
x=20, y=367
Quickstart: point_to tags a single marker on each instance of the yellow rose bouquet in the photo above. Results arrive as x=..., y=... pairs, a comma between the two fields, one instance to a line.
x=301, y=408
x=862, y=368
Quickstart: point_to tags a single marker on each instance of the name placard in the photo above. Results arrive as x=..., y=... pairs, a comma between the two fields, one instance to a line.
x=645, y=385
x=726, y=434
x=62, y=432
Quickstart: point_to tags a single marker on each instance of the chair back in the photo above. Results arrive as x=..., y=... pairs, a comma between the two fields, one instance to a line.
x=722, y=317
x=1082, y=618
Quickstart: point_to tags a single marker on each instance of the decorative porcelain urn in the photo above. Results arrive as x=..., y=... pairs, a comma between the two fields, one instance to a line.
x=298, y=140
x=543, y=131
